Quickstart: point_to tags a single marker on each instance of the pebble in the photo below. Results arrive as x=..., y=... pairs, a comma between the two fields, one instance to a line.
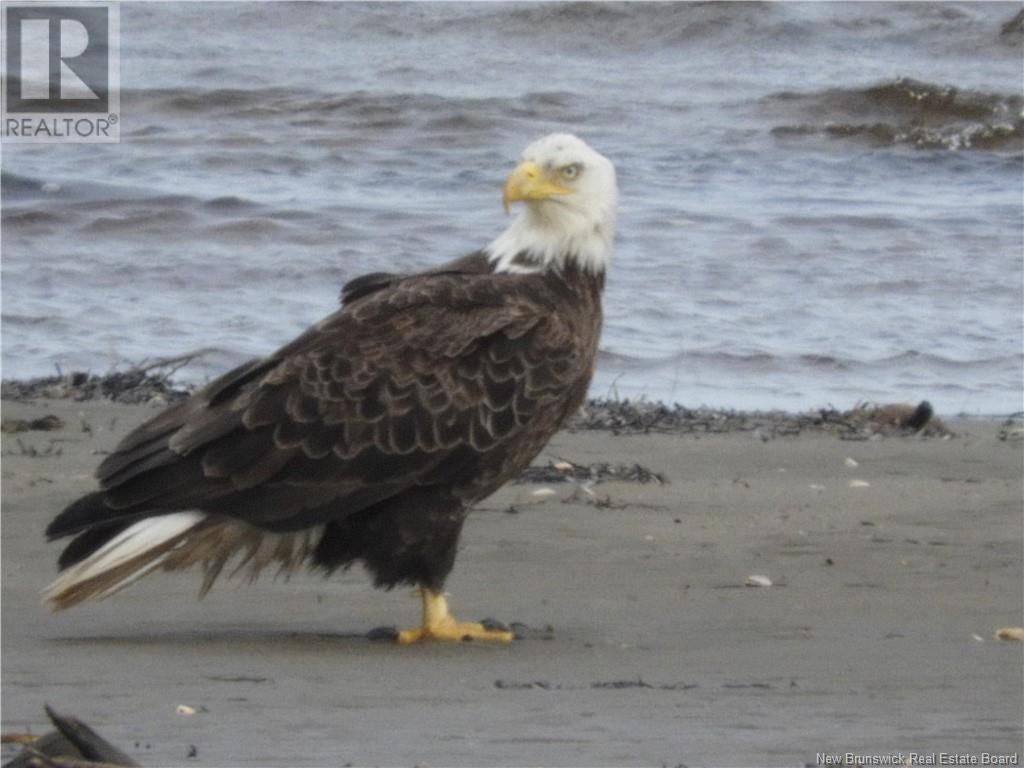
x=1010, y=633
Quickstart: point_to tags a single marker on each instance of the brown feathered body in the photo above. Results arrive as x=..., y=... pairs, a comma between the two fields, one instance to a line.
x=368, y=438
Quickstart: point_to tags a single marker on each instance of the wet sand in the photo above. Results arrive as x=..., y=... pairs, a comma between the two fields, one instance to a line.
x=644, y=646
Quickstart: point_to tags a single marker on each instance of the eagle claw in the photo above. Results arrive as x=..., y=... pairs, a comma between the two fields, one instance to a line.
x=454, y=631
x=438, y=624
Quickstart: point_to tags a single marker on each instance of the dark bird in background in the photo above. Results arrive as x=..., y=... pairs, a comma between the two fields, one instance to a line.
x=370, y=436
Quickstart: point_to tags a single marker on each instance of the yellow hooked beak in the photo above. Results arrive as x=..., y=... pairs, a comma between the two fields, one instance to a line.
x=529, y=182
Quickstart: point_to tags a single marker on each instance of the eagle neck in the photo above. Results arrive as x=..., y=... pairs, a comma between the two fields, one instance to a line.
x=534, y=242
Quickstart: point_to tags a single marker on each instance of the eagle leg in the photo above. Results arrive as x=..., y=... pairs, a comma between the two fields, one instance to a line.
x=439, y=624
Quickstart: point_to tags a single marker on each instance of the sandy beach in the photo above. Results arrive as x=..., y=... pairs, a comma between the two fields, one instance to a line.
x=892, y=561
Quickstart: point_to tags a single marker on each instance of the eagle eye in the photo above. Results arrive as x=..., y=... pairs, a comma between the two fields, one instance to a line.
x=570, y=171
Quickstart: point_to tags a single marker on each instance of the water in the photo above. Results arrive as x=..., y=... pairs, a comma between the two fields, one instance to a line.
x=820, y=203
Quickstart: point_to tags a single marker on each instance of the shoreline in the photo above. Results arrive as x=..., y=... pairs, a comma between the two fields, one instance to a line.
x=150, y=385
x=892, y=561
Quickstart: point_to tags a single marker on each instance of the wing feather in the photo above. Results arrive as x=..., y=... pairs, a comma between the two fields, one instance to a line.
x=409, y=383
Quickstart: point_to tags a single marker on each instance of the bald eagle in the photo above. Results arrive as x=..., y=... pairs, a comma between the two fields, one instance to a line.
x=370, y=436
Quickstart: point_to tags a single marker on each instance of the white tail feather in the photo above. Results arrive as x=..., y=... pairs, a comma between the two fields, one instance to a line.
x=94, y=577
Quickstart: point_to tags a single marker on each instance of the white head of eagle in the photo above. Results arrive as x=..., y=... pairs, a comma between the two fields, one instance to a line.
x=569, y=194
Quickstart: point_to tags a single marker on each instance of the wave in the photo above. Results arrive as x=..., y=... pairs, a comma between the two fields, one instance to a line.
x=1014, y=28
x=230, y=204
x=35, y=219
x=145, y=221
x=933, y=361
x=19, y=189
x=907, y=98
x=630, y=25
x=385, y=107
x=14, y=184
x=766, y=361
x=25, y=321
x=905, y=111
x=608, y=27
x=100, y=212
x=29, y=202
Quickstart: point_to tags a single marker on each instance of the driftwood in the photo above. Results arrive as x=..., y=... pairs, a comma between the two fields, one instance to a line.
x=73, y=745
x=37, y=759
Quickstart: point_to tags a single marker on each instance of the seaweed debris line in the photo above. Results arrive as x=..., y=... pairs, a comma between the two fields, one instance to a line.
x=151, y=384
x=861, y=422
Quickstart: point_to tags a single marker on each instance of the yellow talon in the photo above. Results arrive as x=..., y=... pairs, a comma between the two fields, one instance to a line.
x=438, y=624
